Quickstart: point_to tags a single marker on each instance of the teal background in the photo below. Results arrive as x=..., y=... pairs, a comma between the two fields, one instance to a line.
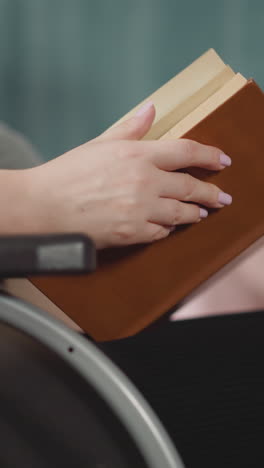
x=70, y=68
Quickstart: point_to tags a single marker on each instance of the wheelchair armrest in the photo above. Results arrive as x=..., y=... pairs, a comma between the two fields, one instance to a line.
x=24, y=255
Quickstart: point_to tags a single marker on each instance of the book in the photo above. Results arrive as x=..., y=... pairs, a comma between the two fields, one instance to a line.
x=134, y=286
x=189, y=88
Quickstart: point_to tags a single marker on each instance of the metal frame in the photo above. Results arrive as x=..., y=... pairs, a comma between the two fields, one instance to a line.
x=123, y=397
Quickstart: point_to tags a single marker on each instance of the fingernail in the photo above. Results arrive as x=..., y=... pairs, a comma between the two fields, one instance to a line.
x=144, y=108
x=225, y=160
x=224, y=198
x=203, y=213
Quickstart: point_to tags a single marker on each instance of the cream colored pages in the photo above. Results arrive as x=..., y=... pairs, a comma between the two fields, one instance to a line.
x=186, y=91
x=208, y=106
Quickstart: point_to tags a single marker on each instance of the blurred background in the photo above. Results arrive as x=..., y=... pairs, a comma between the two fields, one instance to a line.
x=70, y=68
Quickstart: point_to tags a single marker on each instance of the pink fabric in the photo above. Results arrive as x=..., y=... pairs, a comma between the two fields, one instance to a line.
x=239, y=288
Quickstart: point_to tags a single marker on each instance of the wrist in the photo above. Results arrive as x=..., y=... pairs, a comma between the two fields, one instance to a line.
x=18, y=202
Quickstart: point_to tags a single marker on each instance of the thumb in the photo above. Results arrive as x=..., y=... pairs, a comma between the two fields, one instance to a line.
x=133, y=128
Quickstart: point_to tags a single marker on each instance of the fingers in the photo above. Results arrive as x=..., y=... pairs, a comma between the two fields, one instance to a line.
x=168, y=212
x=186, y=188
x=154, y=232
x=134, y=128
x=170, y=155
x=166, y=215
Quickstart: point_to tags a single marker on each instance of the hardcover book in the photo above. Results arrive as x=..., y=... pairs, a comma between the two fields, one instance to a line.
x=134, y=286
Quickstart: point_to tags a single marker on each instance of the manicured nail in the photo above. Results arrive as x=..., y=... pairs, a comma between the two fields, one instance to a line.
x=224, y=198
x=203, y=213
x=144, y=108
x=225, y=160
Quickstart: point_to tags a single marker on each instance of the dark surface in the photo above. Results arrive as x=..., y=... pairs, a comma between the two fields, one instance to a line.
x=64, y=254
x=50, y=417
x=205, y=379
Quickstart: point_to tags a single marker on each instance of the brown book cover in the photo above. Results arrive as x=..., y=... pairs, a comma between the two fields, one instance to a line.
x=134, y=286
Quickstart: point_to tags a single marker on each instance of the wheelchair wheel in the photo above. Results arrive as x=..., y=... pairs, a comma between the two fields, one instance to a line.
x=64, y=404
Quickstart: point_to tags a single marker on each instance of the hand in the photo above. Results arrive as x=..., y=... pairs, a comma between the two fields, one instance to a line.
x=121, y=191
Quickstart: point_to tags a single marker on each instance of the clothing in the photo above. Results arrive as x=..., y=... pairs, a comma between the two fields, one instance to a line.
x=205, y=380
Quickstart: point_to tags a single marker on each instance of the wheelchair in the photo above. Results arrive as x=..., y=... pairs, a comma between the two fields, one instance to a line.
x=63, y=402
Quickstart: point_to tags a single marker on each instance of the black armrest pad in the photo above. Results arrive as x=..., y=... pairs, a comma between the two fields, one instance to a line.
x=26, y=255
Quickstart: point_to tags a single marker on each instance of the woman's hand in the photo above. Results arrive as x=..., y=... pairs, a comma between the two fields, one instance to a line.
x=120, y=190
